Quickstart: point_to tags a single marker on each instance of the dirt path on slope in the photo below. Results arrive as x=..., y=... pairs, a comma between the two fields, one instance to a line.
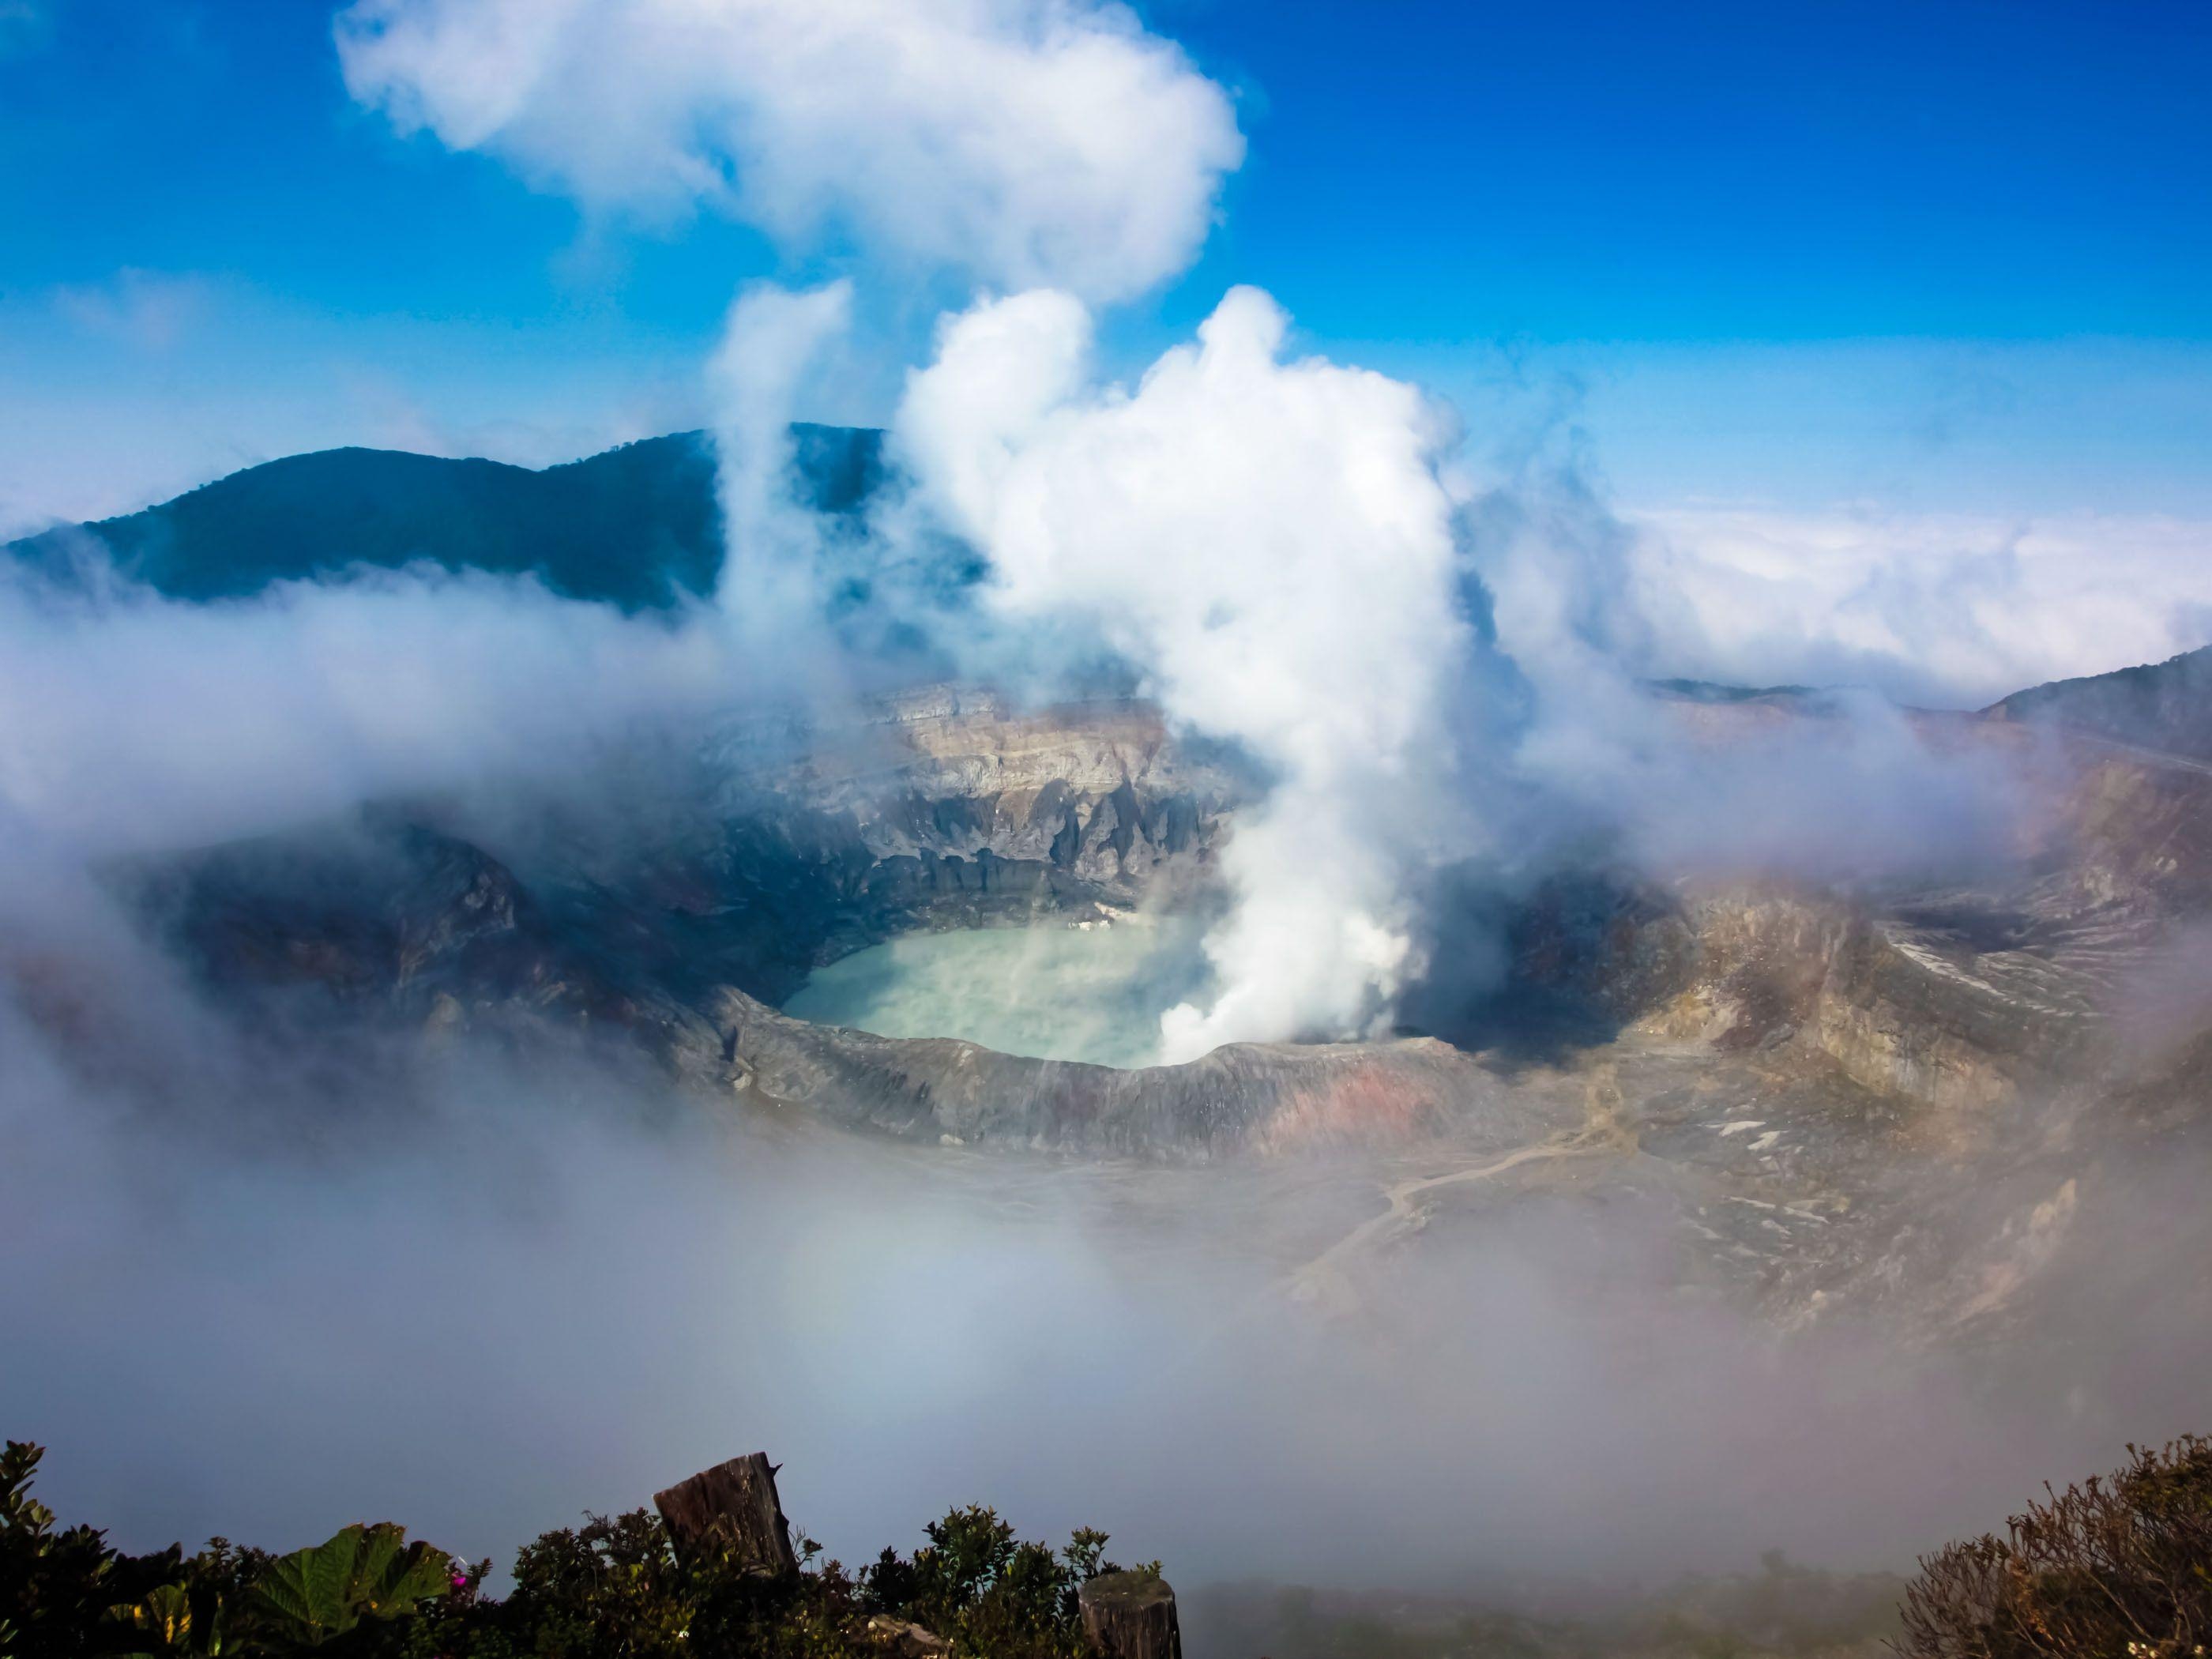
x=2149, y=757
x=1323, y=1279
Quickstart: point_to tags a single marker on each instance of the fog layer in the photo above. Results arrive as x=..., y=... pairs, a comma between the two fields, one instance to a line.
x=472, y=1295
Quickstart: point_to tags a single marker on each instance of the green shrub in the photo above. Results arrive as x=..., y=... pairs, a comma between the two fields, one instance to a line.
x=987, y=1592
x=611, y=1589
x=58, y=1587
x=2116, y=1568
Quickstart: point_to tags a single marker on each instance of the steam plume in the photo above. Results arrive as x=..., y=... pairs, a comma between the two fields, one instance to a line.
x=1269, y=543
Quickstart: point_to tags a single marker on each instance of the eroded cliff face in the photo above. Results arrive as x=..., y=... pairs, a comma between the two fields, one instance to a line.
x=1946, y=1101
x=1954, y=996
x=948, y=807
x=1925, y=1001
x=1096, y=789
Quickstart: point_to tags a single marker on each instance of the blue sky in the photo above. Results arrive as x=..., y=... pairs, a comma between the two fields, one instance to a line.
x=1954, y=256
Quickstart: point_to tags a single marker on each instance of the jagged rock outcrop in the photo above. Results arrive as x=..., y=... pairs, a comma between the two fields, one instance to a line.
x=1131, y=1615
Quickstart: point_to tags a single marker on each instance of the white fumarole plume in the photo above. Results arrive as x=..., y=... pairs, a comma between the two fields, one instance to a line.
x=1269, y=541
x=769, y=585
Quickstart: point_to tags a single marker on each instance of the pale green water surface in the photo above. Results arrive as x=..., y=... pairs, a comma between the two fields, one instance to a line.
x=1058, y=993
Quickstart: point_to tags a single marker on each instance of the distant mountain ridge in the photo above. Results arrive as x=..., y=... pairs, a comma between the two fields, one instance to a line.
x=639, y=526
x=2164, y=706
x=636, y=526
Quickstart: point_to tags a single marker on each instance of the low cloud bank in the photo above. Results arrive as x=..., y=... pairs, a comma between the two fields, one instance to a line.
x=133, y=723
x=280, y=1286
x=546, y=1308
x=1943, y=611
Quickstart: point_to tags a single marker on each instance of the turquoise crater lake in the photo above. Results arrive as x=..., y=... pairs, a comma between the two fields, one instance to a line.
x=1056, y=992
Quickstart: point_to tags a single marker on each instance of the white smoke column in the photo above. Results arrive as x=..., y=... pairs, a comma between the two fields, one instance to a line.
x=769, y=586
x=1269, y=541
x=1021, y=142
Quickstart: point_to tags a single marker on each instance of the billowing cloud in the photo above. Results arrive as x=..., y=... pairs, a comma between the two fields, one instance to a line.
x=1019, y=142
x=1269, y=543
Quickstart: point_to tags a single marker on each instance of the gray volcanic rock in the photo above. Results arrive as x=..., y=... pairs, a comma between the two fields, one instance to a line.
x=1244, y=1096
x=1930, y=1100
x=1956, y=996
x=389, y=920
x=2132, y=835
x=1093, y=790
x=943, y=808
x=1926, y=1097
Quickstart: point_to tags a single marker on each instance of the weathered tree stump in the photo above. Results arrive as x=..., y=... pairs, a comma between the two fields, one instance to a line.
x=732, y=1507
x=1130, y=1615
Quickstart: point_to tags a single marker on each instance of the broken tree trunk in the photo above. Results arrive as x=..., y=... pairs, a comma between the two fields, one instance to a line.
x=1130, y=1615
x=731, y=1508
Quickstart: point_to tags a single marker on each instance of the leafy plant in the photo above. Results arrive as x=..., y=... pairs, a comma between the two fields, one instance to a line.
x=304, y=1599
x=171, y=1622
x=610, y=1586
x=988, y=1592
x=57, y=1586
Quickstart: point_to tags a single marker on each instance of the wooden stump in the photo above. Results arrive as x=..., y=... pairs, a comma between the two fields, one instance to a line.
x=1130, y=1615
x=732, y=1507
